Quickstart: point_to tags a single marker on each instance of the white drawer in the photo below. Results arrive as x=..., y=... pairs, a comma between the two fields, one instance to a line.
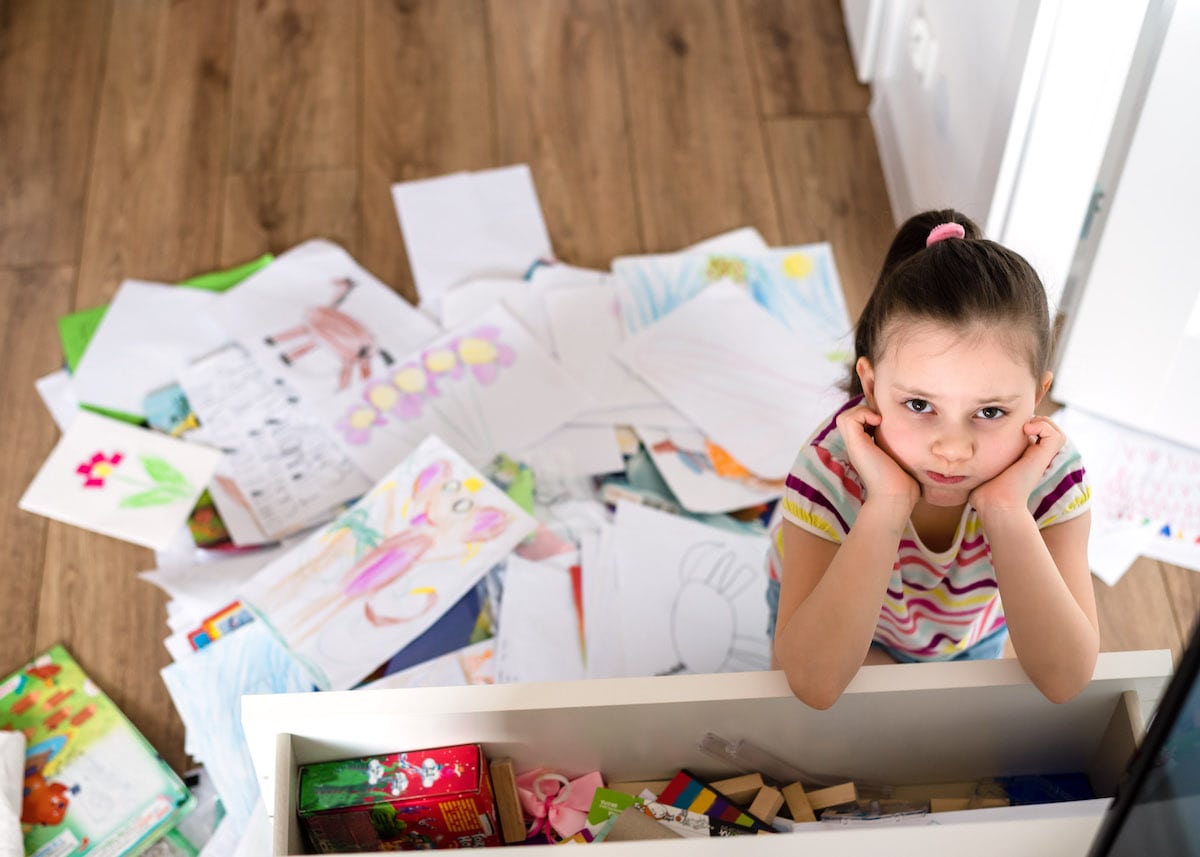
x=902, y=724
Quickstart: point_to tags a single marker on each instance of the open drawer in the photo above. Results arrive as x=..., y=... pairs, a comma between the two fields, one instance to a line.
x=900, y=724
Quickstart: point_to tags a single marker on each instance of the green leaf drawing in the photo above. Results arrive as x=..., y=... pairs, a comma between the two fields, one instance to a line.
x=154, y=497
x=165, y=474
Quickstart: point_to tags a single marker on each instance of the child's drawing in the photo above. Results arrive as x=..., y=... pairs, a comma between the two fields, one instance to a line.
x=350, y=341
x=374, y=579
x=690, y=598
x=702, y=475
x=401, y=395
x=799, y=286
x=485, y=388
x=120, y=480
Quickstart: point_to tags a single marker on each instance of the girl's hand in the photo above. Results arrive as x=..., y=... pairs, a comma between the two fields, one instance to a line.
x=1009, y=490
x=884, y=478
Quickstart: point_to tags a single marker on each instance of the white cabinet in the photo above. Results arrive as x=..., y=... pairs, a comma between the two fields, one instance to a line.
x=911, y=723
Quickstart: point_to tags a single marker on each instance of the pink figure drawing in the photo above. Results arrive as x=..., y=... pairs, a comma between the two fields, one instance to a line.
x=346, y=337
x=449, y=520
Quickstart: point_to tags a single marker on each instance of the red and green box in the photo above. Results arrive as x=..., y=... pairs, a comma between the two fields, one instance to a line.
x=419, y=799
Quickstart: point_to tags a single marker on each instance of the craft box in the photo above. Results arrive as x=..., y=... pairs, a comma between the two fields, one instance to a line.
x=415, y=800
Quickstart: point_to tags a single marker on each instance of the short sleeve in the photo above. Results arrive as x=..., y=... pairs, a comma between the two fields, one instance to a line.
x=823, y=493
x=1064, y=491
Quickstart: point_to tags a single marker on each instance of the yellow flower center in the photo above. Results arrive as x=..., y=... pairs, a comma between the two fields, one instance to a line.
x=476, y=351
x=409, y=380
x=102, y=469
x=441, y=360
x=361, y=418
x=383, y=396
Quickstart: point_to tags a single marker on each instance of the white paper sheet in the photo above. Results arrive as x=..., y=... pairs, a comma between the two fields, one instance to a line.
x=362, y=588
x=484, y=388
x=753, y=387
x=466, y=225
x=586, y=327
x=747, y=239
x=58, y=394
x=199, y=590
x=685, y=460
x=12, y=781
x=574, y=450
x=120, y=480
x=466, y=302
x=149, y=333
x=693, y=598
x=207, y=689
x=540, y=633
x=283, y=462
x=604, y=648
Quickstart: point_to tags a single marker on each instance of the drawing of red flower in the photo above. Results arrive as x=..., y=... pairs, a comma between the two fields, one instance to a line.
x=98, y=469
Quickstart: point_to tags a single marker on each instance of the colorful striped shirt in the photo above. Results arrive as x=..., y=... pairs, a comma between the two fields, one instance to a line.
x=938, y=603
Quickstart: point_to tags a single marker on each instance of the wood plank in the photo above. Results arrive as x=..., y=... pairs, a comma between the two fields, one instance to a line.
x=427, y=111
x=273, y=212
x=802, y=58
x=559, y=108
x=154, y=201
x=51, y=55
x=830, y=187
x=1183, y=588
x=1136, y=613
x=295, y=85
x=113, y=624
x=30, y=301
x=698, y=146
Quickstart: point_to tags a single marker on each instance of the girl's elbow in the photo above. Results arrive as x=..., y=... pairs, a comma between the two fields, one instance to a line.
x=1065, y=685
x=814, y=691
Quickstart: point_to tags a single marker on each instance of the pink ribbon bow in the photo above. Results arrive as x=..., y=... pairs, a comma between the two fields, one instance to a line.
x=554, y=801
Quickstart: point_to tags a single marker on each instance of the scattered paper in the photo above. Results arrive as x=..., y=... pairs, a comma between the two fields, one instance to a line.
x=58, y=394
x=753, y=387
x=120, y=480
x=541, y=633
x=691, y=598
x=150, y=332
x=370, y=582
x=701, y=475
x=467, y=225
x=279, y=458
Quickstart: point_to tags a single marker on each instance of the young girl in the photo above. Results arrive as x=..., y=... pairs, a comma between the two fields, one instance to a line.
x=935, y=514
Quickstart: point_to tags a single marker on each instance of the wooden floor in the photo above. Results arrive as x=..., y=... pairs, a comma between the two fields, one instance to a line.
x=163, y=138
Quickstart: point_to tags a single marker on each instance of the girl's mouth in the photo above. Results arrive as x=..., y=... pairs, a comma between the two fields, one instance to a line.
x=943, y=479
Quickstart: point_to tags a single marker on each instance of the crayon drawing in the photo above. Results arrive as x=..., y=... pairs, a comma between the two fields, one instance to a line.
x=704, y=477
x=373, y=580
x=799, y=286
x=485, y=388
x=120, y=480
x=692, y=598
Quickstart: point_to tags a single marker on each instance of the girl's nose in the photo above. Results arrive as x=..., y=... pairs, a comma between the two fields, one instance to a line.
x=953, y=447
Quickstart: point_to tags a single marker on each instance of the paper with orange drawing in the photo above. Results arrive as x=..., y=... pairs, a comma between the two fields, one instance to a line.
x=486, y=387
x=703, y=477
x=126, y=482
x=369, y=583
x=751, y=385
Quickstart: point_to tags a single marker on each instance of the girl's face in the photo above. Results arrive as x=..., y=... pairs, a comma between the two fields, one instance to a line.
x=952, y=404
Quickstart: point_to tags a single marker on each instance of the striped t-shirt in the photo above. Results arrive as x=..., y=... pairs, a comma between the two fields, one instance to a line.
x=937, y=603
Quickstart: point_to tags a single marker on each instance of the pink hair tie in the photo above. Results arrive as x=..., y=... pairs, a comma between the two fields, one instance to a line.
x=943, y=231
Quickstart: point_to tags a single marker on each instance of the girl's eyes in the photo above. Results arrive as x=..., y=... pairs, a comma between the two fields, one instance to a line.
x=990, y=413
x=921, y=406
x=918, y=406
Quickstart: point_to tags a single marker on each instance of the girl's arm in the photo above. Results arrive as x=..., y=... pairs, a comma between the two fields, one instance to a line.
x=1043, y=575
x=1049, y=602
x=829, y=601
x=830, y=595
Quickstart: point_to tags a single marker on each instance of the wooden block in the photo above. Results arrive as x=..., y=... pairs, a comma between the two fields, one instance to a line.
x=949, y=804
x=798, y=804
x=508, y=802
x=740, y=790
x=634, y=824
x=636, y=787
x=833, y=796
x=767, y=804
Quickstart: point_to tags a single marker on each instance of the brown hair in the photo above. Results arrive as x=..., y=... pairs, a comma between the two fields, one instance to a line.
x=956, y=282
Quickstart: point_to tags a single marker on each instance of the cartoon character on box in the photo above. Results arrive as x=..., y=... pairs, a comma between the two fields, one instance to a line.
x=44, y=802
